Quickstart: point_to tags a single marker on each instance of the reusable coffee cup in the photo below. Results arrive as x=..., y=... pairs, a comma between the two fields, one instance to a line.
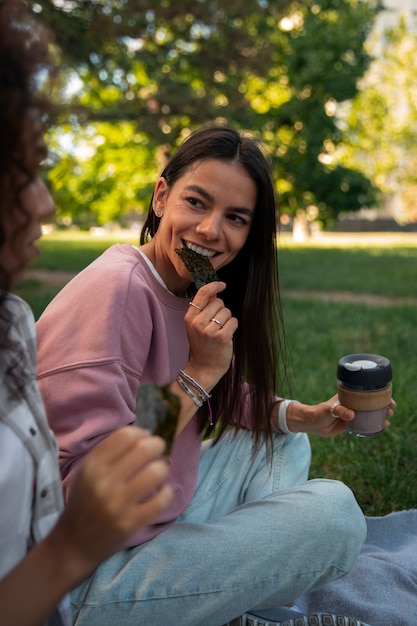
x=364, y=385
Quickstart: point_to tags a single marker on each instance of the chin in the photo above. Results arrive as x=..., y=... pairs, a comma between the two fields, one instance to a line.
x=19, y=274
x=18, y=277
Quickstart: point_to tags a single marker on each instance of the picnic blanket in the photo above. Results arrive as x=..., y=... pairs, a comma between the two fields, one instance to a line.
x=381, y=590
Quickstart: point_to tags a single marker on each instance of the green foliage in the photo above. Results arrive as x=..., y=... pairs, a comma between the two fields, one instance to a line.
x=382, y=120
x=107, y=175
x=325, y=57
x=159, y=69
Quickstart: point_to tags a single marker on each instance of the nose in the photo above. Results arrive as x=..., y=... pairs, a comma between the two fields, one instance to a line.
x=210, y=226
x=44, y=201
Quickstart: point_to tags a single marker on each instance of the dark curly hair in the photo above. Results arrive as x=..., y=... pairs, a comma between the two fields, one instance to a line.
x=25, y=62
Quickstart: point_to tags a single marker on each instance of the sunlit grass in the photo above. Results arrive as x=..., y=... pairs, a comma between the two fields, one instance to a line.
x=72, y=251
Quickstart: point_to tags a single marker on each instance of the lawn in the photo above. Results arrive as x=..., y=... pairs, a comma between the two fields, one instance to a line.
x=382, y=470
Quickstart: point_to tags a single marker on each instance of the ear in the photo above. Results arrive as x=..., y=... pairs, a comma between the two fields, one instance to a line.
x=159, y=196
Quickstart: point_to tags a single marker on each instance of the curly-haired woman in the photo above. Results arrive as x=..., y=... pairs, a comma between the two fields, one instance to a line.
x=45, y=550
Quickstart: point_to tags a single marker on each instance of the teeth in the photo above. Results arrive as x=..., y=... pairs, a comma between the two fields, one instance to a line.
x=199, y=250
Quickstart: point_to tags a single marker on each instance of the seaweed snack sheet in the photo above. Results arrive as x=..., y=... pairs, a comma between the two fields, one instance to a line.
x=157, y=410
x=198, y=265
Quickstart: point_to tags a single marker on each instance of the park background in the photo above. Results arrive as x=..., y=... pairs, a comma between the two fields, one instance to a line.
x=330, y=91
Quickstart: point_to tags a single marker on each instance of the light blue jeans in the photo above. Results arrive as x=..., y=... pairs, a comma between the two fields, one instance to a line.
x=255, y=536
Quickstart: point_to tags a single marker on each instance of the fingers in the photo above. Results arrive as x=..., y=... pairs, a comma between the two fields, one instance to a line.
x=140, y=479
x=207, y=292
x=338, y=411
x=124, y=472
x=148, y=511
x=119, y=440
x=206, y=301
x=332, y=409
x=329, y=418
x=335, y=410
x=210, y=329
x=123, y=453
x=138, y=487
x=208, y=311
x=337, y=415
x=110, y=502
x=117, y=444
x=390, y=410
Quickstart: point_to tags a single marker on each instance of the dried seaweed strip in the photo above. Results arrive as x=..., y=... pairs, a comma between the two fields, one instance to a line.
x=198, y=265
x=157, y=410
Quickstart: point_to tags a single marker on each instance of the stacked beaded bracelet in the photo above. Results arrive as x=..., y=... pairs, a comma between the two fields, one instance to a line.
x=195, y=391
x=282, y=416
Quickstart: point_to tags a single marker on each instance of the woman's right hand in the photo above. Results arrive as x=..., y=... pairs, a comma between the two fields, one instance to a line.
x=119, y=488
x=210, y=329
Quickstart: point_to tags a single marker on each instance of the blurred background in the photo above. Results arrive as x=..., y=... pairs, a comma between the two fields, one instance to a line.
x=327, y=85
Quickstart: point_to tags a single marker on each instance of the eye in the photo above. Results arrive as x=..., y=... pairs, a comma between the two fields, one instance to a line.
x=196, y=203
x=239, y=220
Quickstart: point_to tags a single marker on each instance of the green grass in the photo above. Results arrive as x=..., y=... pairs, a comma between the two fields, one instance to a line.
x=381, y=470
x=388, y=270
x=72, y=251
x=64, y=252
x=37, y=294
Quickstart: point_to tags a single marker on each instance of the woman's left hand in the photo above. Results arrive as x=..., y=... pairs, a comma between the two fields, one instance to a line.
x=326, y=418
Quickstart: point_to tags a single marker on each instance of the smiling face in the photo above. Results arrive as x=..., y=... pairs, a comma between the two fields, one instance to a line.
x=21, y=225
x=209, y=209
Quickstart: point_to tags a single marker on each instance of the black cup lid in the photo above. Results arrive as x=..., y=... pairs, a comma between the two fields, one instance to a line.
x=364, y=371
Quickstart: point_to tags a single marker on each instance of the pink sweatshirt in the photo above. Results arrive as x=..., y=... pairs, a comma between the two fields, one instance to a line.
x=111, y=328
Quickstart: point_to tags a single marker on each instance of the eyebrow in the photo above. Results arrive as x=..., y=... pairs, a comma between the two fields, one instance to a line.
x=210, y=198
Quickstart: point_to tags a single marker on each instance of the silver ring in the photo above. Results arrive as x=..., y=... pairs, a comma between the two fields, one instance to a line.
x=332, y=408
x=213, y=319
x=195, y=306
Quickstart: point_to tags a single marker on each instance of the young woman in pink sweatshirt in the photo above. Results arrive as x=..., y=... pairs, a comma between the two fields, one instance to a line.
x=246, y=530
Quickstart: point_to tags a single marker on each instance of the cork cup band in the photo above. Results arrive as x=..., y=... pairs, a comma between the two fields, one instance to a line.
x=365, y=400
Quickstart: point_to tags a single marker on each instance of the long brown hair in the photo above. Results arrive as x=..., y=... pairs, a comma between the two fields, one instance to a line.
x=252, y=291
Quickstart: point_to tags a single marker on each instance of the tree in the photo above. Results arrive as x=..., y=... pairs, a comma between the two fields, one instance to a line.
x=162, y=68
x=324, y=58
x=105, y=174
x=381, y=124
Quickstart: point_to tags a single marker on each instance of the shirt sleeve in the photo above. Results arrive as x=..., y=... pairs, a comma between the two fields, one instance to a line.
x=88, y=377
x=16, y=494
x=245, y=417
